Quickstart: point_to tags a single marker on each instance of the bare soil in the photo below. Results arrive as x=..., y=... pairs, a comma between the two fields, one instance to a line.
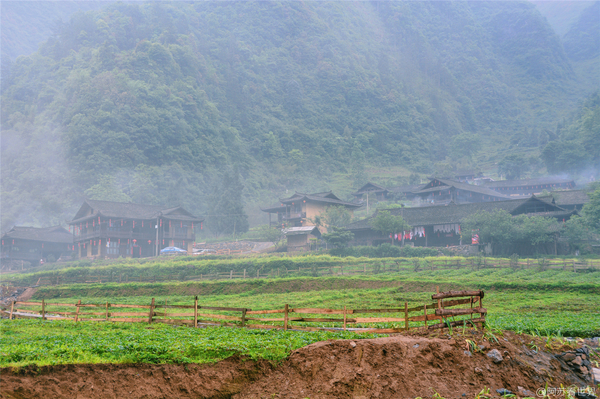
x=393, y=367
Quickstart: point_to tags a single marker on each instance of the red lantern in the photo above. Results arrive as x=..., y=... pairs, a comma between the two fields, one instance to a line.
x=42, y=245
x=149, y=242
x=142, y=223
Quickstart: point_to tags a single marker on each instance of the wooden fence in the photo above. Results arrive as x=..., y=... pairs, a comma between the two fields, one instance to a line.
x=440, y=313
x=387, y=266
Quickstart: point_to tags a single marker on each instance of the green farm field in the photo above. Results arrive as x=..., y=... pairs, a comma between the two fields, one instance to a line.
x=543, y=303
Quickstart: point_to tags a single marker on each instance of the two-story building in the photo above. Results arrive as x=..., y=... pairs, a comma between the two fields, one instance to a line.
x=32, y=244
x=300, y=209
x=105, y=229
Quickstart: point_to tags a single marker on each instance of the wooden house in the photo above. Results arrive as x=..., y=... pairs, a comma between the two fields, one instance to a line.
x=298, y=238
x=32, y=244
x=105, y=229
x=527, y=187
x=440, y=226
x=299, y=209
x=443, y=191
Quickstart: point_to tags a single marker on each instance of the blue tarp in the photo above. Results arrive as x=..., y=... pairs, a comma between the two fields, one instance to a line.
x=173, y=250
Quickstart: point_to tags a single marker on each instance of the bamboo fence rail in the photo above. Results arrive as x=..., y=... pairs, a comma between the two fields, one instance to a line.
x=437, y=312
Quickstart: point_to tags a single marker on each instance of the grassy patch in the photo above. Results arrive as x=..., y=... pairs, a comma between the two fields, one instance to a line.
x=28, y=342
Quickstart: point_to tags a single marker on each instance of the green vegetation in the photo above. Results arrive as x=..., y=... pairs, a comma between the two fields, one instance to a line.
x=386, y=223
x=526, y=235
x=158, y=102
x=26, y=342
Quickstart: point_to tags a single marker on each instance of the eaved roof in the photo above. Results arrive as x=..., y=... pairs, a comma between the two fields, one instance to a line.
x=445, y=214
x=326, y=197
x=446, y=183
x=457, y=213
x=570, y=197
x=129, y=210
x=370, y=187
x=540, y=181
x=55, y=234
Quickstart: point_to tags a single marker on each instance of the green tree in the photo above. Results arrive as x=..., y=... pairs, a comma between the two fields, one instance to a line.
x=338, y=237
x=513, y=166
x=465, y=145
x=591, y=210
x=107, y=190
x=386, y=223
x=269, y=234
x=335, y=216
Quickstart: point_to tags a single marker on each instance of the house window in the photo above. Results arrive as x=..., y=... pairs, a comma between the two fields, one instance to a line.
x=112, y=248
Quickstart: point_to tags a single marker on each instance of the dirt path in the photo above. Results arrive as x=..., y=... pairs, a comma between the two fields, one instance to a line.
x=393, y=367
x=27, y=294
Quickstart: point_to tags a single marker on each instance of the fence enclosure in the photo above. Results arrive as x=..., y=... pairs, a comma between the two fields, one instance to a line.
x=441, y=313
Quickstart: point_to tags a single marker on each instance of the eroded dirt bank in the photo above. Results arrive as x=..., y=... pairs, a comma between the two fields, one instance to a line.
x=394, y=367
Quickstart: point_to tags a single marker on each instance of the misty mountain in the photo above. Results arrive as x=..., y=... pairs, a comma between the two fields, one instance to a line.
x=153, y=102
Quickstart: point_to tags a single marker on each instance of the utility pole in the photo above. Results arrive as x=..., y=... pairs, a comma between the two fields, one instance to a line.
x=156, y=227
x=367, y=204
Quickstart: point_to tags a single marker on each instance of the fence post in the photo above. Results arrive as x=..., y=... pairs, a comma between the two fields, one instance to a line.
x=344, y=317
x=574, y=270
x=257, y=274
x=151, y=313
x=425, y=311
x=231, y=274
x=77, y=311
x=43, y=309
x=106, y=313
x=12, y=308
x=285, y=317
x=244, y=273
x=196, y=312
x=244, y=317
x=365, y=268
x=406, y=315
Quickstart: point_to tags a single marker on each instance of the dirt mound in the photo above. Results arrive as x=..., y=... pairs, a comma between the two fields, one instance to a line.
x=407, y=367
x=394, y=367
x=149, y=381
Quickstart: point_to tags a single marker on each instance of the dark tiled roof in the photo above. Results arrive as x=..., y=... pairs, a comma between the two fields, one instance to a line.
x=328, y=198
x=571, y=197
x=447, y=214
x=47, y=234
x=459, y=186
x=129, y=210
x=528, y=182
x=405, y=189
x=370, y=187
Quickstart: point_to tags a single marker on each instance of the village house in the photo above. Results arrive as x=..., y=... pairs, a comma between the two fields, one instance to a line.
x=527, y=187
x=32, y=244
x=105, y=229
x=371, y=191
x=299, y=238
x=440, y=226
x=443, y=191
x=300, y=209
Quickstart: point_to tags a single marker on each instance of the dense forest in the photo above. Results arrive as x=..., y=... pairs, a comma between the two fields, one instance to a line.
x=157, y=102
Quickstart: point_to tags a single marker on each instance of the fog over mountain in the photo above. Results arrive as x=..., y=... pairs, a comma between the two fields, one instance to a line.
x=155, y=102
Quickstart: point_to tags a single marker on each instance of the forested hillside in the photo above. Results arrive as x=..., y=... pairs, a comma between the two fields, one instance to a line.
x=154, y=102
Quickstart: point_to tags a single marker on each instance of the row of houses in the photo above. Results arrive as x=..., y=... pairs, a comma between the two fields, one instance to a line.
x=444, y=191
x=105, y=229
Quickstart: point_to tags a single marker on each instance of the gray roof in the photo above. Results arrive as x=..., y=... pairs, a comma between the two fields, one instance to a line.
x=129, y=210
x=571, y=197
x=56, y=234
x=459, y=186
x=326, y=197
x=541, y=181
